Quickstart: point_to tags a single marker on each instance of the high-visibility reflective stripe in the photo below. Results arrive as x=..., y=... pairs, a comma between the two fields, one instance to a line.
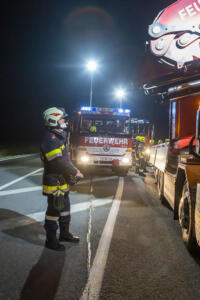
x=51, y=218
x=53, y=152
x=62, y=187
x=50, y=188
x=55, y=187
x=64, y=213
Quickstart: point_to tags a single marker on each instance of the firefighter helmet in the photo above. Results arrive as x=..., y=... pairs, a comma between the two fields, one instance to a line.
x=53, y=114
x=151, y=142
x=138, y=138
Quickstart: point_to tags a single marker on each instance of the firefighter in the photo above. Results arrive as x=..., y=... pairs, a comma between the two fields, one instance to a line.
x=93, y=129
x=57, y=172
x=140, y=155
x=151, y=142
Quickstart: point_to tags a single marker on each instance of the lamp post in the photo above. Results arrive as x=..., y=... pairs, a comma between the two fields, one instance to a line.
x=120, y=94
x=91, y=67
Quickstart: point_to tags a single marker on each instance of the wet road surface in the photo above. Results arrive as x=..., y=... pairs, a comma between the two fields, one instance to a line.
x=130, y=248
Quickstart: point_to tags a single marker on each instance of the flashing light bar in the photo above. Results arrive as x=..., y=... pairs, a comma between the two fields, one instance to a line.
x=100, y=109
x=120, y=110
x=143, y=121
x=86, y=108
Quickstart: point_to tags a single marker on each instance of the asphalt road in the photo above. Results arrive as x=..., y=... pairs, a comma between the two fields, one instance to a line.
x=130, y=248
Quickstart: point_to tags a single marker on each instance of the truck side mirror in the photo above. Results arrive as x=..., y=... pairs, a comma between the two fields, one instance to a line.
x=197, y=131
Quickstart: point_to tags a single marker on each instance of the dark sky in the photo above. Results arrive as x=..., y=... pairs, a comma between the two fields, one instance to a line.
x=44, y=46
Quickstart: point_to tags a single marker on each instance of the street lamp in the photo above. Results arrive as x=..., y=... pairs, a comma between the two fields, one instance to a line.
x=91, y=66
x=120, y=94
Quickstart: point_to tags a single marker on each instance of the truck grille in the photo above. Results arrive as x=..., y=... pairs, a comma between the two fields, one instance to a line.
x=100, y=162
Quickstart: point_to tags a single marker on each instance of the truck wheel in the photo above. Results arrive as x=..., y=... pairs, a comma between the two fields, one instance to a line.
x=186, y=218
x=160, y=184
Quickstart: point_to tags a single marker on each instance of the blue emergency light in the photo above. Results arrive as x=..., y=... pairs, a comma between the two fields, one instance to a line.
x=105, y=110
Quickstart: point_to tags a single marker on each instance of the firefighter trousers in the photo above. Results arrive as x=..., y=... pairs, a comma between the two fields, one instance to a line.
x=55, y=213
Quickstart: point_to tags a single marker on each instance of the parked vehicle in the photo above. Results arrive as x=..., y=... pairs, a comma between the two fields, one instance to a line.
x=101, y=137
x=174, y=40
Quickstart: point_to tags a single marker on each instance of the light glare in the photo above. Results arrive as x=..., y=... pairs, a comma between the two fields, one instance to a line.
x=92, y=65
x=85, y=159
x=120, y=93
x=125, y=160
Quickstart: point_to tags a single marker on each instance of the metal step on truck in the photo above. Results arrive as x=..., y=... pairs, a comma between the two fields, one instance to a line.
x=174, y=40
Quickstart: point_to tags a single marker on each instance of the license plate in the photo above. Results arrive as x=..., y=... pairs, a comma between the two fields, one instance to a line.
x=105, y=158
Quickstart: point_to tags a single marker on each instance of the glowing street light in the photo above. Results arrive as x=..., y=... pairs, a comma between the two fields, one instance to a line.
x=120, y=94
x=91, y=66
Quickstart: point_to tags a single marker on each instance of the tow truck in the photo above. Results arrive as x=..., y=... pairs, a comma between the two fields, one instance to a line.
x=101, y=137
x=174, y=39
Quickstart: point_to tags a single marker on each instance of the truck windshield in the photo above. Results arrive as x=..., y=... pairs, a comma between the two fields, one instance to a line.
x=140, y=130
x=101, y=125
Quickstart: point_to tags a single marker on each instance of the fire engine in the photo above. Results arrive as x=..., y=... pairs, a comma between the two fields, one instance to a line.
x=174, y=39
x=101, y=137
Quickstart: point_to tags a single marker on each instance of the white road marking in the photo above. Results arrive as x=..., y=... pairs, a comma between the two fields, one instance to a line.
x=93, y=287
x=39, y=188
x=20, y=221
x=20, y=191
x=16, y=156
x=19, y=179
x=38, y=174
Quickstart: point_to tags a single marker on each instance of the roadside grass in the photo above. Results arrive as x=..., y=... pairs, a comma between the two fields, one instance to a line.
x=14, y=149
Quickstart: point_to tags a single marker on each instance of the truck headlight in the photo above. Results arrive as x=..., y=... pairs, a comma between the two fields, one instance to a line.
x=84, y=159
x=147, y=151
x=125, y=160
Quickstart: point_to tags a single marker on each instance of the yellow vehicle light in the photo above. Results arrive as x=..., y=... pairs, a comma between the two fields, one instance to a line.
x=82, y=149
x=129, y=150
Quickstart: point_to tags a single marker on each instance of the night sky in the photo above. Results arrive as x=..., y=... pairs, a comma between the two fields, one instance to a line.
x=44, y=46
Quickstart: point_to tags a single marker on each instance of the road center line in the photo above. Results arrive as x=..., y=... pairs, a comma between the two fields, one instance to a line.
x=19, y=179
x=93, y=287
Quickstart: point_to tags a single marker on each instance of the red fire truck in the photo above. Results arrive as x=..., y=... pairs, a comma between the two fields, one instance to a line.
x=101, y=137
x=174, y=41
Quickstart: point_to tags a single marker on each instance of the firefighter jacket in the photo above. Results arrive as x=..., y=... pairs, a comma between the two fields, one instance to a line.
x=57, y=164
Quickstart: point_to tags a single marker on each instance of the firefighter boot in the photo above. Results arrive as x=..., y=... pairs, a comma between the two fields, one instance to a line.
x=65, y=235
x=51, y=240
